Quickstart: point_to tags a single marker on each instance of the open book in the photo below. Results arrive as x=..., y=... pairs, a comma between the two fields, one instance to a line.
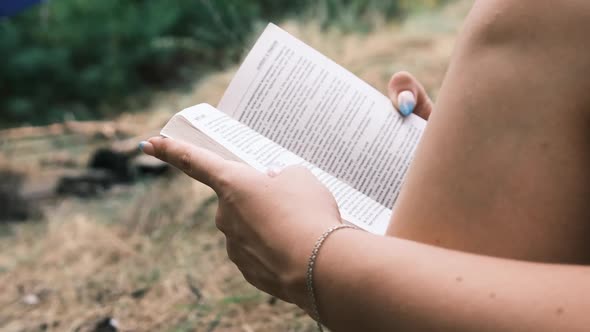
x=290, y=105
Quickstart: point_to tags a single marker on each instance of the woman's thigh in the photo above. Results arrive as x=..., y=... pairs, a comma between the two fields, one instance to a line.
x=502, y=168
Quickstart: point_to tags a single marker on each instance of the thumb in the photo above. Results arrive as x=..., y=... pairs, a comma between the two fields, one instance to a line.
x=408, y=95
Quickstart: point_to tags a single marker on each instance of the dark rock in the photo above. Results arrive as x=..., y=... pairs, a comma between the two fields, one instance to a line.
x=87, y=183
x=117, y=163
x=13, y=206
x=139, y=293
x=106, y=324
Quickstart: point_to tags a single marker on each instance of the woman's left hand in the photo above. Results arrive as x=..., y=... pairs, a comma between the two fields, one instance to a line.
x=270, y=223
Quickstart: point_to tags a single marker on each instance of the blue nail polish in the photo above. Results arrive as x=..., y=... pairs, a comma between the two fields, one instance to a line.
x=407, y=107
x=141, y=145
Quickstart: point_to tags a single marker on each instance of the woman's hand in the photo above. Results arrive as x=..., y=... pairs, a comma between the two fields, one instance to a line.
x=270, y=222
x=408, y=95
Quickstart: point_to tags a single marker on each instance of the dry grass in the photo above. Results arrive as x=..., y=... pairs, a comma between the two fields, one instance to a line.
x=149, y=255
x=158, y=264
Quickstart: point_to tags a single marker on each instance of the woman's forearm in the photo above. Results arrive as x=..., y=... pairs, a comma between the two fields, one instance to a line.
x=370, y=283
x=502, y=169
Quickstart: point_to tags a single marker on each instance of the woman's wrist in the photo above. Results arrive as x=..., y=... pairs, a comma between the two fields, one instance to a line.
x=302, y=291
x=294, y=278
x=310, y=271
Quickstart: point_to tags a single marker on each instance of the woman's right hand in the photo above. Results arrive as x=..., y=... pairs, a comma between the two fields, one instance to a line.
x=408, y=95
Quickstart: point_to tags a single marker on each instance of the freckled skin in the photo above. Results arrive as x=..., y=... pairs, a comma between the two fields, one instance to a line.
x=502, y=169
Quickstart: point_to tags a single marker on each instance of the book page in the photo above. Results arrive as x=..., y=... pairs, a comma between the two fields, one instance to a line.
x=260, y=152
x=295, y=96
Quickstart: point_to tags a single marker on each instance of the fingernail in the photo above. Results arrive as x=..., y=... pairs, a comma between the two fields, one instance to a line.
x=146, y=147
x=406, y=102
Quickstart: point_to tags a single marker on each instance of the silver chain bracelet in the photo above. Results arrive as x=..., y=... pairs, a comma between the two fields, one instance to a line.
x=310, y=266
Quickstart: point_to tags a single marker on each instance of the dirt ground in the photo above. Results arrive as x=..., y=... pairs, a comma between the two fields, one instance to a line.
x=147, y=257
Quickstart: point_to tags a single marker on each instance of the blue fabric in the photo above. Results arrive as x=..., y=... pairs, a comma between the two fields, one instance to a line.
x=11, y=7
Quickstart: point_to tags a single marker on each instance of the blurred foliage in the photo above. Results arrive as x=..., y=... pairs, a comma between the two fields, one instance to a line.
x=362, y=15
x=85, y=58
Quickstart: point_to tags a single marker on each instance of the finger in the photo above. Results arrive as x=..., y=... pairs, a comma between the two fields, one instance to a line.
x=408, y=95
x=200, y=164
